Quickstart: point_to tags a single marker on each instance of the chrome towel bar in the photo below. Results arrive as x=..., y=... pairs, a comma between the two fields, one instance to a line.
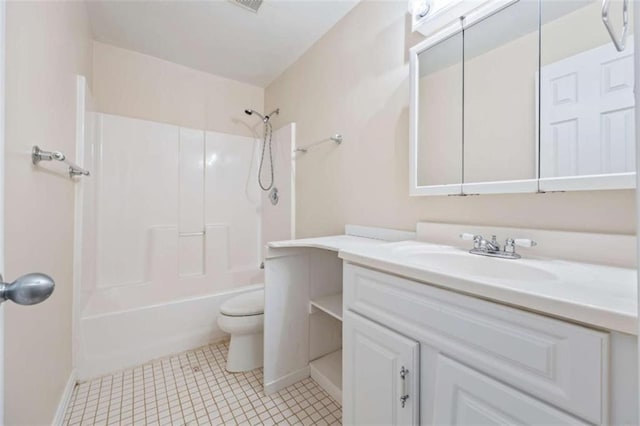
x=337, y=138
x=38, y=155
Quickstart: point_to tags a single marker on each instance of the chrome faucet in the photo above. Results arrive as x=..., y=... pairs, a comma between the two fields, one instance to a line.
x=483, y=247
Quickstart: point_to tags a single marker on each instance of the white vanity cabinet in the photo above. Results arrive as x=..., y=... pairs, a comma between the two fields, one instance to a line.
x=470, y=361
x=303, y=307
x=464, y=396
x=380, y=384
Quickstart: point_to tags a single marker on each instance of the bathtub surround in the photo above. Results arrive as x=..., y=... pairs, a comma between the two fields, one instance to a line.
x=360, y=75
x=47, y=45
x=173, y=203
x=172, y=224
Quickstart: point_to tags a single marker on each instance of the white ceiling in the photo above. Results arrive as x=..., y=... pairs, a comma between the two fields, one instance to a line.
x=217, y=36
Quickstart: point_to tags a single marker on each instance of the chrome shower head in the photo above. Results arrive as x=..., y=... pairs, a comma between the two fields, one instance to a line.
x=251, y=112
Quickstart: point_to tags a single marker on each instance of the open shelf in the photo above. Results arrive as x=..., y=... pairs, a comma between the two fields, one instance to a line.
x=331, y=304
x=327, y=372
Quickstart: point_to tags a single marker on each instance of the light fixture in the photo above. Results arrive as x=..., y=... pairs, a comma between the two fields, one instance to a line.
x=419, y=8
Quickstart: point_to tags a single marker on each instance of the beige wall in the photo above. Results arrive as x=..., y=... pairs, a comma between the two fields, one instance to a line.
x=48, y=43
x=355, y=80
x=141, y=86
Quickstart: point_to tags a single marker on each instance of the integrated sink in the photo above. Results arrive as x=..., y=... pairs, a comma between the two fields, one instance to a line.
x=457, y=263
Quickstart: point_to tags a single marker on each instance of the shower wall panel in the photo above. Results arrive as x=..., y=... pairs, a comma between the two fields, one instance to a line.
x=191, y=226
x=175, y=206
x=138, y=190
x=232, y=198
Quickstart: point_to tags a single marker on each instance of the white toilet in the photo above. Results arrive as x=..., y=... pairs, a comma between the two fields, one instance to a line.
x=243, y=318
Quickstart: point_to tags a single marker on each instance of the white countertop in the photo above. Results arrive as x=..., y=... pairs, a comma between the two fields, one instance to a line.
x=333, y=243
x=600, y=296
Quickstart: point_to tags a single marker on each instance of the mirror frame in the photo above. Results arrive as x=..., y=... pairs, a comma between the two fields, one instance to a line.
x=538, y=184
x=414, y=64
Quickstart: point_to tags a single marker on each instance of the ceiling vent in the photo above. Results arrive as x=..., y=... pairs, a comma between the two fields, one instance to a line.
x=252, y=5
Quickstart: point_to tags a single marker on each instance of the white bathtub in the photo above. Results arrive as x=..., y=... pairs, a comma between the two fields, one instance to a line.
x=116, y=334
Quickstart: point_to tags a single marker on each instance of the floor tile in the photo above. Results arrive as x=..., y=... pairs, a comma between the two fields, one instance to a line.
x=193, y=388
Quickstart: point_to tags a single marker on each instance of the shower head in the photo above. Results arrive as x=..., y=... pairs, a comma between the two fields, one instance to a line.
x=251, y=112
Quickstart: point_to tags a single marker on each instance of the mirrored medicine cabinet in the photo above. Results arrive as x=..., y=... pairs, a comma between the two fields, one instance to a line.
x=525, y=96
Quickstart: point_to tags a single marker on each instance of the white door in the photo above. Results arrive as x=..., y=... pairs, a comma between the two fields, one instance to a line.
x=587, y=114
x=464, y=396
x=2, y=131
x=636, y=38
x=381, y=374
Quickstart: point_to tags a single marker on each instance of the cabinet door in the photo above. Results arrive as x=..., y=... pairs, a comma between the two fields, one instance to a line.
x=464, y=396
x=380, y=374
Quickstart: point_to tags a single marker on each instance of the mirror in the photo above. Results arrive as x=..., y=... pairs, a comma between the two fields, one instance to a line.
x=586, y=95
x=501, y=54
x=439, y=113
x=525, y=96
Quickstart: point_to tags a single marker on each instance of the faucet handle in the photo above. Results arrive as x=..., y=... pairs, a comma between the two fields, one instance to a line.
x=510, y=244
x=477, y=239
x=524, y=242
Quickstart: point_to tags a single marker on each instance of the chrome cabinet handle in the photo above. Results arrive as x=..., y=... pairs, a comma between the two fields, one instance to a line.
x=29, y=289
x=405, y=394
x=620, y=43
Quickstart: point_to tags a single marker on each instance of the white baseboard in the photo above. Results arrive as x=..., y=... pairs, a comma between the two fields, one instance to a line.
x=289, y=379
x=326, y=371
x=58, y=419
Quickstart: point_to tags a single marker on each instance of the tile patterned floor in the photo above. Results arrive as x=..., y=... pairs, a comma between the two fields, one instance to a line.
x=193, y=388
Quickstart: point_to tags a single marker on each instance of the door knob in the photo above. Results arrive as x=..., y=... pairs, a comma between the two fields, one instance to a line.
x=29, y=289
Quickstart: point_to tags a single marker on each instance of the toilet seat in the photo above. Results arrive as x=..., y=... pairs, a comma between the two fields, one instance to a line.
x=247, y=304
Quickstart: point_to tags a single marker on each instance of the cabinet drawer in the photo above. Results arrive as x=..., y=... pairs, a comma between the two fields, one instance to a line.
x=558, y=362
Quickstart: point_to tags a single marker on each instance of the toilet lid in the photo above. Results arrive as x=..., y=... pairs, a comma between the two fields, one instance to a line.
x=251, y=303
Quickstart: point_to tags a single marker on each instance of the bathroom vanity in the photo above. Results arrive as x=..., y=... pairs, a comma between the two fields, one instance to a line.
x=303, y=307
x=435, y=335
x=430, y=334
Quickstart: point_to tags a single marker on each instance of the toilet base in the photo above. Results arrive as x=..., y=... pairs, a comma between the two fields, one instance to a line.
x=245, y=352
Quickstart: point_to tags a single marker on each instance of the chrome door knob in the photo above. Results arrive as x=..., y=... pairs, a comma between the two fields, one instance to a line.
x=29, y=289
